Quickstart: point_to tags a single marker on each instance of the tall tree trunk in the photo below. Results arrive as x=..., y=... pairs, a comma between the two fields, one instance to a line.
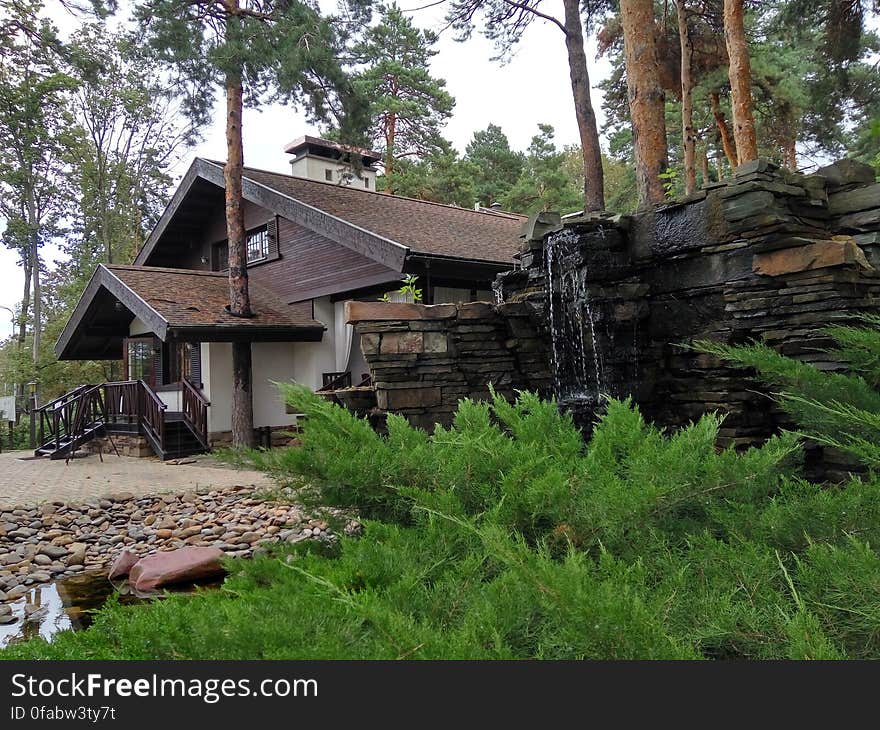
x=704, y=165
x=723, y=130
x=25, y=299
x=22, y=321
x=38, y=304
x=789, y=154
x=646, y=99
x=594, y=184
x=740, y=73
x=390, y=133
x=687, y=101
x=239, y=296
x=719, y=165
x=34, y=243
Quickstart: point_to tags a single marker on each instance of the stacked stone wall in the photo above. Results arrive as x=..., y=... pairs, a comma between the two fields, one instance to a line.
x=768, y=256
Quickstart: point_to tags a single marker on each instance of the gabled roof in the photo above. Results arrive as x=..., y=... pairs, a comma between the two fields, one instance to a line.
x=385, y=228
x=179, y=304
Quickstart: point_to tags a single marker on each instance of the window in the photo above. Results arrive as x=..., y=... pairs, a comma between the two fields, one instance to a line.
x=366, y=182
x=138, y=356
x=258, y=245
x=177, y=363
x=328, y=175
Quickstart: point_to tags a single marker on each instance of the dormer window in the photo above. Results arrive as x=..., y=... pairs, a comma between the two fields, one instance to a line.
x=257, y=245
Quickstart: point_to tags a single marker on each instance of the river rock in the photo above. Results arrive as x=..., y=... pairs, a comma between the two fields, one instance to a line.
x=175, y=566
x=123, y=564
x=53, y=551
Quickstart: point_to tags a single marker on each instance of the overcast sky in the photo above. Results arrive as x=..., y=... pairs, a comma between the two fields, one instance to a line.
x=533, y=87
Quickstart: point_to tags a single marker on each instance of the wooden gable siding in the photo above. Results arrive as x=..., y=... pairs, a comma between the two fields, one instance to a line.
x=215, y=231
x=310, y=264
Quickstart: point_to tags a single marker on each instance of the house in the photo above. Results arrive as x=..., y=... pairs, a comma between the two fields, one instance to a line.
x=312, y=245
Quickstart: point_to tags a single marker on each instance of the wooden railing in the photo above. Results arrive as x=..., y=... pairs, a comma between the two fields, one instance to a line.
x=151, y=410
x=195, y=410
x=65, y=421
x=56, y=418
x=335, y=381
x=123, y=399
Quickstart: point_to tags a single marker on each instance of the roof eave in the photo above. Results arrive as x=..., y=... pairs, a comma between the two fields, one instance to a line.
x=104, y=278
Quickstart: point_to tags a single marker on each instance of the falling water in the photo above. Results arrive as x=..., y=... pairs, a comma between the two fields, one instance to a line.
x=575, y=377
x=498, y=288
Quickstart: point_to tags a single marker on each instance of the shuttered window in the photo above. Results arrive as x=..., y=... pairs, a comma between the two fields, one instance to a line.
x=262, y=245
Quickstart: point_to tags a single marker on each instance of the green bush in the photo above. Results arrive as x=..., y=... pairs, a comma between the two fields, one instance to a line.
x=836, y=409
x=506, y=536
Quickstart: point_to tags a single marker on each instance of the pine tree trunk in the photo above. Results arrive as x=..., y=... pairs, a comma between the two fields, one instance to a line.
x=724, y=131
x=390, y=133
x=38, y=304
x=687, y=101
x=789, y=154
x=22, y=321
x=646, y=99
x=704, y=165
x=740, y=73
x=25, y=300
x=239, y=296
x=594, y=185
x=242, y=395
x=34, y=243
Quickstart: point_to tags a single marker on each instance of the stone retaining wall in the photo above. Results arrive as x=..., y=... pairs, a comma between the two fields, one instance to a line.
x=424, y=359
x=126, y=444
x=768, y=256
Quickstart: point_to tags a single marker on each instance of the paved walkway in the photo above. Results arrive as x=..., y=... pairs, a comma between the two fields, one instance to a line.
x=26, y=482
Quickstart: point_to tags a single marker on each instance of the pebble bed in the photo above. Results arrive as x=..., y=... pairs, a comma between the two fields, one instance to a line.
x=56, y=540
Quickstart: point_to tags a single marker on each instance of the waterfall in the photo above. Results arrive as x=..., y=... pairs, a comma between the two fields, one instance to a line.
x=576, y=357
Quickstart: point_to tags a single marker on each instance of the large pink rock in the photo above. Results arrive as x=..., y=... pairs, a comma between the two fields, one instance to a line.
x=175, y=566
x=123, y=564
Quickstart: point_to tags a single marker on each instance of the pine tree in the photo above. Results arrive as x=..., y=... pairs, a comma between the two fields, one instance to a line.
x=646, y=98
x=247, y=47
x=740, y=73
x=544, y=184
x=505, y=21
x=408, y=106
x=497, y=167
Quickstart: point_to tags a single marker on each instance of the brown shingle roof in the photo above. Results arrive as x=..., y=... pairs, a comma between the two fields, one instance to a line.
x=187, y=298
x=424, y=227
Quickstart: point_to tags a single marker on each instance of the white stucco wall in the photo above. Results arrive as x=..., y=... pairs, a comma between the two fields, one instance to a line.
x=217, y=379
x=274, y=362
x=138, y=328
x=314, y=168
x=170, y=398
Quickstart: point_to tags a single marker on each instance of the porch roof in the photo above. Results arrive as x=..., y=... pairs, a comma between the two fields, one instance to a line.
x=176, y=304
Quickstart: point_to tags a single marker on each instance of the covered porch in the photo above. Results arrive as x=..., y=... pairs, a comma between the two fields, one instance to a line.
x=172, y=333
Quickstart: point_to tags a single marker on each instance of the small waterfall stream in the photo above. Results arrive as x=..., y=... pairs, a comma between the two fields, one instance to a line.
x=576, y=356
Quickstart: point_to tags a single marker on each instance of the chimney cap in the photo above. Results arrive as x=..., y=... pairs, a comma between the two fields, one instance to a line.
x=307, y=143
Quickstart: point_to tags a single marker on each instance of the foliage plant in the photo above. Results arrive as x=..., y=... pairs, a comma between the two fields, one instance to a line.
x=408, y=289
x=505, y=535
x=840, y=410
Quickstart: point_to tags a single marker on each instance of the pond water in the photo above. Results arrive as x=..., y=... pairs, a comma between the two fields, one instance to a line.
x=69, y=604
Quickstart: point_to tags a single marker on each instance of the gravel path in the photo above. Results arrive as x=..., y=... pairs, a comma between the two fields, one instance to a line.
x=27, y=482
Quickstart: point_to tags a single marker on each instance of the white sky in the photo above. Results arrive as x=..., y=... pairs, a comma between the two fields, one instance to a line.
x=532, y=88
